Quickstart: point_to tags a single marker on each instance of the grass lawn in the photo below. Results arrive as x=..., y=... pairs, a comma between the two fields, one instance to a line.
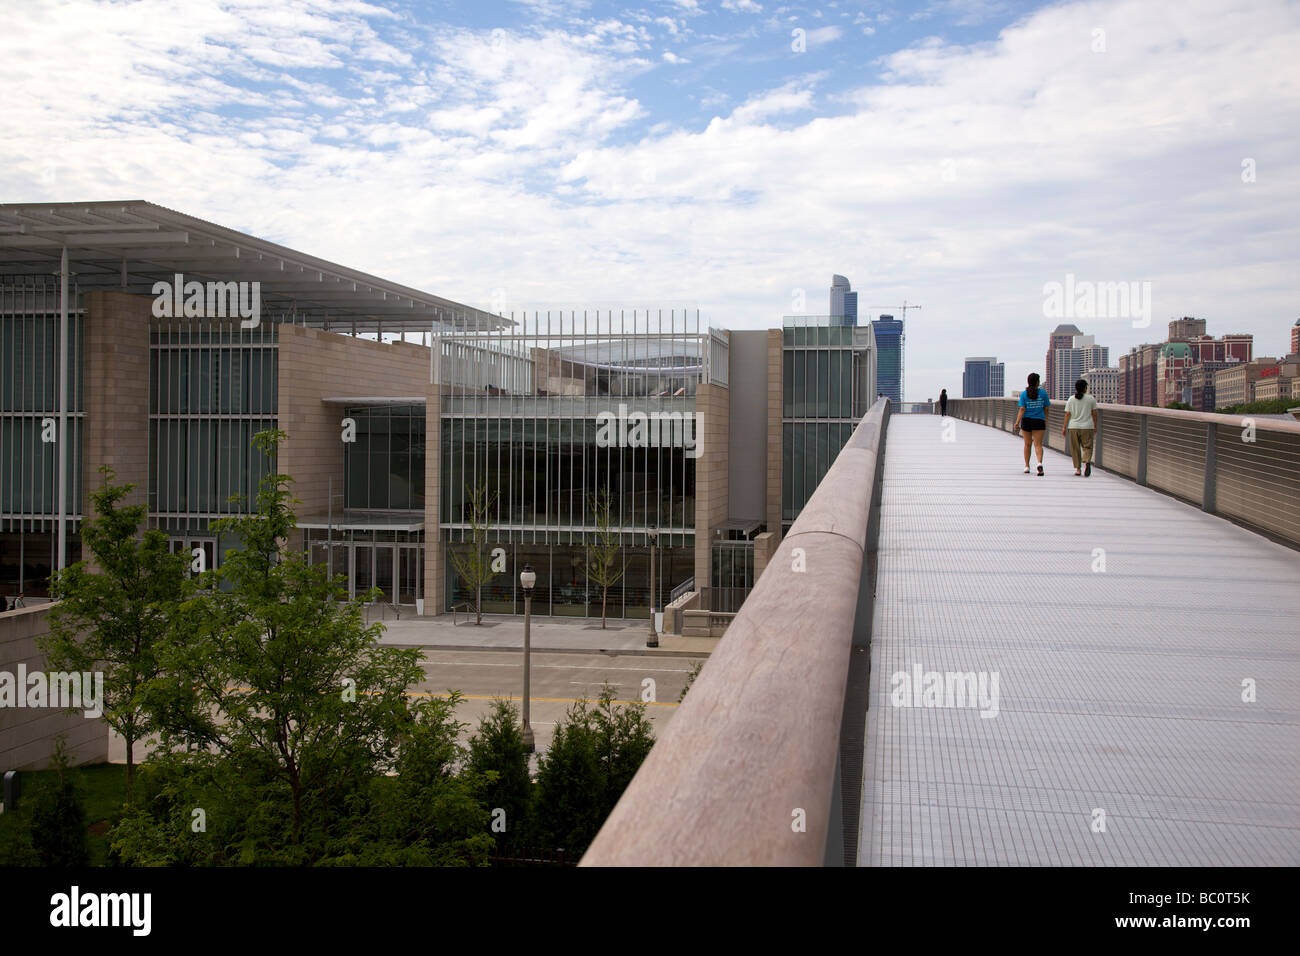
x=103, y=793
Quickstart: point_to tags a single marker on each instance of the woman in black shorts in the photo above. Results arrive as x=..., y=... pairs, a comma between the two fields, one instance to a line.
x=1031, y=419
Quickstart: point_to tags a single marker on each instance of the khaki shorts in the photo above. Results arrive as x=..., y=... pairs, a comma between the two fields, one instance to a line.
x=1081, y=445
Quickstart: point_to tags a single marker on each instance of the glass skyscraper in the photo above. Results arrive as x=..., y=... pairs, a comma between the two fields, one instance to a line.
x=983, y=377
x=889, y=357
x=844, y=303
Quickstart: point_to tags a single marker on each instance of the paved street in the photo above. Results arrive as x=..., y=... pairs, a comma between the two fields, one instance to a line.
x=560, y=677
x=547, y=633
x=558, y=681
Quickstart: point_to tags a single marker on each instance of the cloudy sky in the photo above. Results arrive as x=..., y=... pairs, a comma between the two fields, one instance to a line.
x=729, y=155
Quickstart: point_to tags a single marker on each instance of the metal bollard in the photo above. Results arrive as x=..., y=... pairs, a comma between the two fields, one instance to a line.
x=12, y=790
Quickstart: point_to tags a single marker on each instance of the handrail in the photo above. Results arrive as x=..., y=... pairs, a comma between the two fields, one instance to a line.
x=745, y=774
x=683, y=588
x=371, y=605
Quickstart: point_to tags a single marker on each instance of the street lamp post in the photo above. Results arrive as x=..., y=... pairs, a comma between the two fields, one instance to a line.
x=653, y=639
x=527, y=578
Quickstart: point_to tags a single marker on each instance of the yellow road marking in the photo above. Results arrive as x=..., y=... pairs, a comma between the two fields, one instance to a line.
x=542, y=700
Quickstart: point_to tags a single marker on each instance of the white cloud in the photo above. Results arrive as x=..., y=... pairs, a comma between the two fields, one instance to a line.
x=458, y=161
x=742, y=6
x=824, y=35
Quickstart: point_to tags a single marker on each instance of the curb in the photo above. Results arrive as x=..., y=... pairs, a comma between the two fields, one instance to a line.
x=610, y=651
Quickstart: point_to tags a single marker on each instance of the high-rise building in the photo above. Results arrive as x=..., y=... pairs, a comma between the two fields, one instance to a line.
x=1295, y=337
x=844, y=302
x=1070, y=362
x=1172, y=364
x=1103, y=384
x=1185, y=328
x=890, y=360
x=1062, y=337
x=1237, y=347
x=1277, y=381
x=1235, y=385
x=1137, y=384
x=983, y=377
x=1158, y=374
x=1200, y=384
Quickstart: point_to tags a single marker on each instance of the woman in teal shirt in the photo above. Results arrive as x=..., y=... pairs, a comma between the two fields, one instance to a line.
x=1031, y=419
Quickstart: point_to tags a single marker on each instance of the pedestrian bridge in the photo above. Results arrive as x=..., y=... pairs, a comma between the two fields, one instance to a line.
x=949, y=662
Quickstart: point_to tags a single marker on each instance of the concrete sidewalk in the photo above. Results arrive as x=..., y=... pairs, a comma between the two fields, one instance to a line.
x=573, y=635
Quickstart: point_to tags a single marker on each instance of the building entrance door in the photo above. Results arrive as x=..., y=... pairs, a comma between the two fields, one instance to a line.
x=363, y=569
x=408, y=573
x=385, y=556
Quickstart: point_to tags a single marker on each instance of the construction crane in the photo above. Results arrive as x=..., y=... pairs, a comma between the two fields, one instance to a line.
x=901, y=308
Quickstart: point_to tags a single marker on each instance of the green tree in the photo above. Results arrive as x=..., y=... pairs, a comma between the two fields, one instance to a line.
x=428, y=812
x=605, y=556
x=113, y=614
x=497, y=755
x=690, y=679
x=58, y=832
x=283, y=698
x=475, y=566
x=1267, y=406
x=593, y=756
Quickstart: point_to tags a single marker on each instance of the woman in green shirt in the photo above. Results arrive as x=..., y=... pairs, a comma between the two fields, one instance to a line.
x=1080, y=426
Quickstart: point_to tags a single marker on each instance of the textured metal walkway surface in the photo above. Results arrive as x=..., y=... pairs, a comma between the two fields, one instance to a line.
x=1118, y=733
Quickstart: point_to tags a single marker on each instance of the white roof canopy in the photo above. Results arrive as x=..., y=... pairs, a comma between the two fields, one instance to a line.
x=128, y=246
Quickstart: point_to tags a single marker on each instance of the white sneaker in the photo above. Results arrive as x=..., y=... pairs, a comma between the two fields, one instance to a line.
x=1026, y=469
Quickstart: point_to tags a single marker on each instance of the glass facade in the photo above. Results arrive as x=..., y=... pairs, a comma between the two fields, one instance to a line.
x=826, y=381
x=29, y=439
x=384, y=467
x=563, y=587
x=543, y=471
x=889, y=356
x=732, y=575
x=212, y=387
x=563, y=406
x=391, y=559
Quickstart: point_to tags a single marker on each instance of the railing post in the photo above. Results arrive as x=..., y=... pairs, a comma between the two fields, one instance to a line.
x=1141, y=478
x=1096, y=441
x=1209, y=489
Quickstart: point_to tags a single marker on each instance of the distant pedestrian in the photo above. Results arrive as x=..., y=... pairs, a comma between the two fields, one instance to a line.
x=943, y=402
x=1031, y=419
x=1080, y=426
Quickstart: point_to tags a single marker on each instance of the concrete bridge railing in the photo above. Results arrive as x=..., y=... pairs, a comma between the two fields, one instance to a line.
x=1243, y=468
x=748, y=772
